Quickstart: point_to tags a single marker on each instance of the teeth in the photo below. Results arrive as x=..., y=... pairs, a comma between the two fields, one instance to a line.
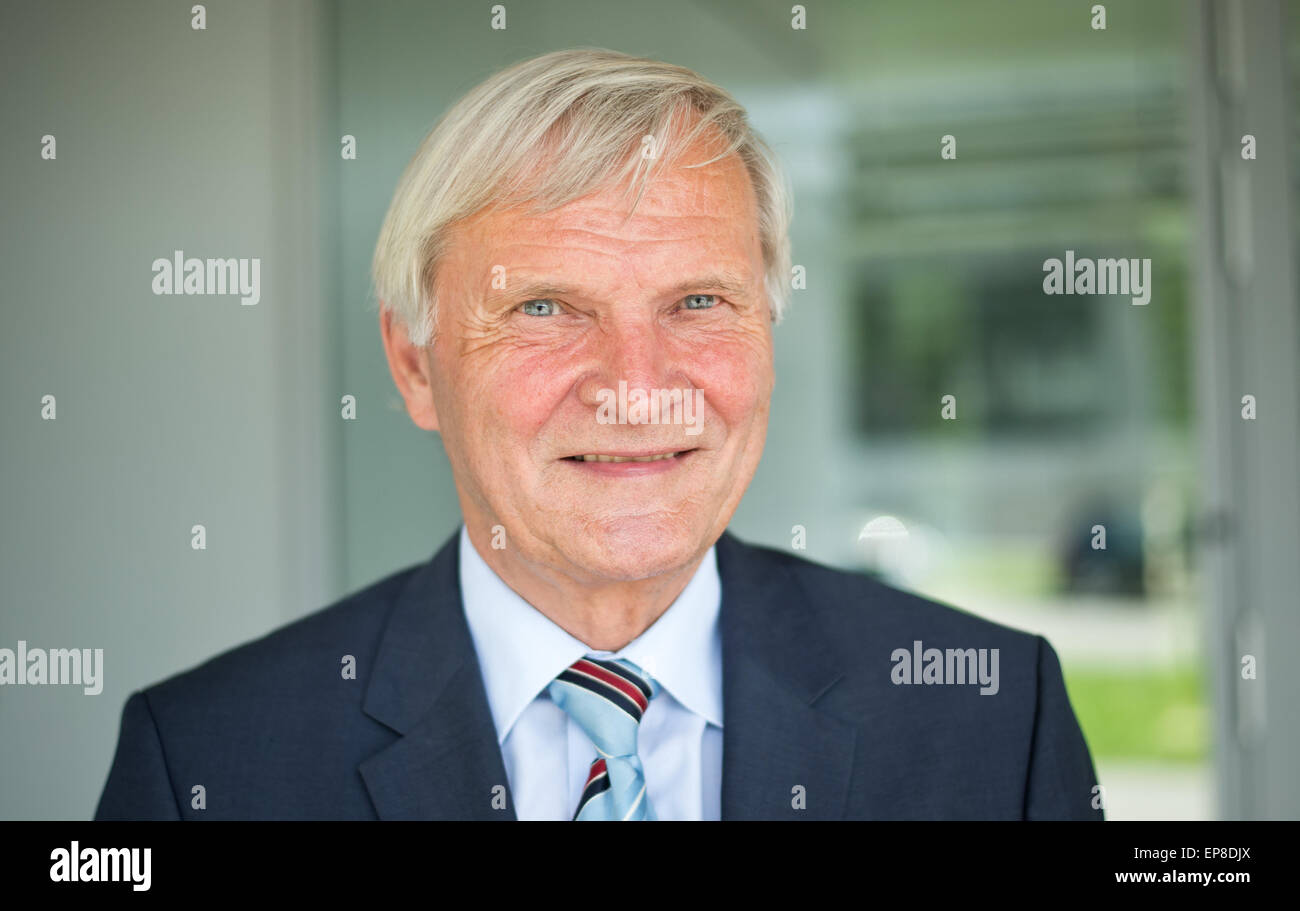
x=605, y=458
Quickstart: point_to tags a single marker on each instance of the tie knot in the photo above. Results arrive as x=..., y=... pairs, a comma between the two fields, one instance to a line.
x=607, y=697
x=617, y=680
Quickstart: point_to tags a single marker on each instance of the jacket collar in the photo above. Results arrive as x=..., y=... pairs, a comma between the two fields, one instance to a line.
x=427, y=687
x=777, y=663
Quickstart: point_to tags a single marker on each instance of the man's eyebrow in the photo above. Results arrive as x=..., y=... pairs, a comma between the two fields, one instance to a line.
x=721, y=281
x=529, y=291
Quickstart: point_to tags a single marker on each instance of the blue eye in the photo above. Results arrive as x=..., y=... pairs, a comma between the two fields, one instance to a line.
x=539, y=307
x=700, y=301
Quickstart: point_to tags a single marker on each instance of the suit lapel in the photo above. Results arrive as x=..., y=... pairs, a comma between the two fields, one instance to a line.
x=776, y=663
x=428, y=688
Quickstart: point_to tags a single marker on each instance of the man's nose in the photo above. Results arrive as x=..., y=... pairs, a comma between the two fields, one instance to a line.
x=632, y=352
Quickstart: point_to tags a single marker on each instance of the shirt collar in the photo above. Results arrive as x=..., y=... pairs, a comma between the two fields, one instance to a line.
x=521, y=651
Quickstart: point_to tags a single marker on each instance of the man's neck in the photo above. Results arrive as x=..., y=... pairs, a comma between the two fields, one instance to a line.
x=605, y=615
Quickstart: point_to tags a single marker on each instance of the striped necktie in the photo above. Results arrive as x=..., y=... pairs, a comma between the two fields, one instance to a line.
x=607, y=698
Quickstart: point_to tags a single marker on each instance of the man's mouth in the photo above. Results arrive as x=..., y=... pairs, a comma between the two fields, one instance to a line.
x=627, y=457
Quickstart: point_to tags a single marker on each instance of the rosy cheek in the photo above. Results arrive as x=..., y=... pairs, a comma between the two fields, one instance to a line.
x=525, y=394
x=733, y=380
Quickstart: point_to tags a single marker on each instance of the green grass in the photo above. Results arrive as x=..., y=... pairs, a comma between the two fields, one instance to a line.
x=1142, y=714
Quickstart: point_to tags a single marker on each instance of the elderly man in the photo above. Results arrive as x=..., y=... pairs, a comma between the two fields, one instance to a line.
x=579, y=277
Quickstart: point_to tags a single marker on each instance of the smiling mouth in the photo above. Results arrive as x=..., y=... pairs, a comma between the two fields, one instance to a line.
x=653, y=457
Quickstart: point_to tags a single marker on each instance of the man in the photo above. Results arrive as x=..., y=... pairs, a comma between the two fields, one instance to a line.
x=579, y=277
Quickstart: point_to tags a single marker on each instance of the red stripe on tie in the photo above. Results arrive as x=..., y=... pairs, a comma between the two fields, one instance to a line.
x=614, y=680
x=597, y=769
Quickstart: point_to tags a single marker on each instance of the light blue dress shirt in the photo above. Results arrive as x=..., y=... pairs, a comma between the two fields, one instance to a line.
x=546, y=754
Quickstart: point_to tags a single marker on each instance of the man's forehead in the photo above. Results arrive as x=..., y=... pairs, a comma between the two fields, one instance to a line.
x=669, y=207
x=685, y=187
x=700, y=221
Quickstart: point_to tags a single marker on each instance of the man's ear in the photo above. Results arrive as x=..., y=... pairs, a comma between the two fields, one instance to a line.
x=409, y=364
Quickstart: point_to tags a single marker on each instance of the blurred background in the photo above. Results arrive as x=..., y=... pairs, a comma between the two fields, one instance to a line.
x=924, y=280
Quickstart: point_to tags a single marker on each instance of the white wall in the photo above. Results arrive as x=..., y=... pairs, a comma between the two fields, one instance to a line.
x=171, y=411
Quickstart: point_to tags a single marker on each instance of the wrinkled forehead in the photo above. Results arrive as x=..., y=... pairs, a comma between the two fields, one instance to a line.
x=707, y=210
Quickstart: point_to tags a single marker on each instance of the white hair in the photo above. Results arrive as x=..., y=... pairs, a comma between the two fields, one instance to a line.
x=550, y=130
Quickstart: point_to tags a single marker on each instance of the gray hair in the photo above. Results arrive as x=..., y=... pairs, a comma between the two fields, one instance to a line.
x=550, y=130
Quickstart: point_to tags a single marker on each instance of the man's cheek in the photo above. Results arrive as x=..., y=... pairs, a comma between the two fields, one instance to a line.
x=733, y=387
x=519, y=404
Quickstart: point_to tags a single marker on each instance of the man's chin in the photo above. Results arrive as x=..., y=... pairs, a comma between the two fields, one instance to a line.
x=627, y=550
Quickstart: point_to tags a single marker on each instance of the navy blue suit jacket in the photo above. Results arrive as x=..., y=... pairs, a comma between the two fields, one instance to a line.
x=811, y=713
